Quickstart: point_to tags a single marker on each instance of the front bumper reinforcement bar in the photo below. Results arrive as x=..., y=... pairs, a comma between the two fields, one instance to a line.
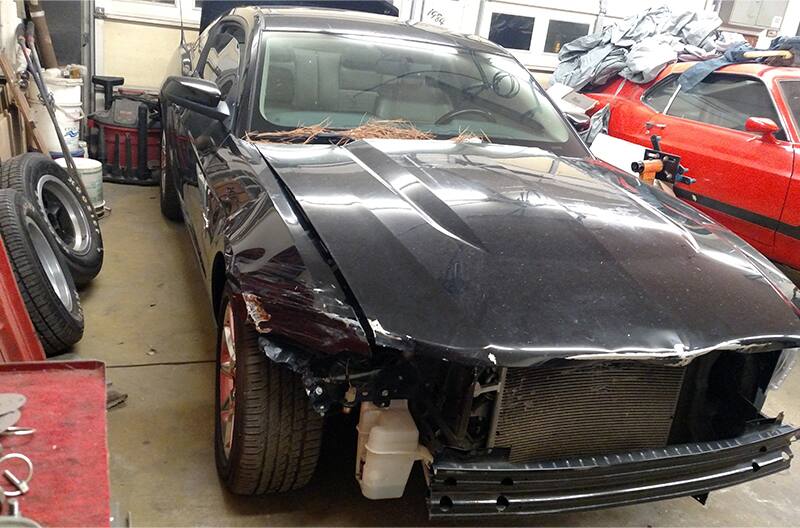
x=500, y=488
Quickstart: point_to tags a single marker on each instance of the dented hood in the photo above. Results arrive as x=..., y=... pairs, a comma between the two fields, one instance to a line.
x=512, y=255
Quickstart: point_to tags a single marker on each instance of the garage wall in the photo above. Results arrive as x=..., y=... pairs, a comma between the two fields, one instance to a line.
x=138, y=51
x=533, y=30
x=137, y=39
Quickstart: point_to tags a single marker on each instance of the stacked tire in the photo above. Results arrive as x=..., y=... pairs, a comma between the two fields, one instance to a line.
x=53, y=240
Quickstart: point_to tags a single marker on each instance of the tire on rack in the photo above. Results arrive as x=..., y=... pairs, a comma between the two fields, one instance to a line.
x=170, y=203
x=64, y=204
x=44, y=281
x=269, y=439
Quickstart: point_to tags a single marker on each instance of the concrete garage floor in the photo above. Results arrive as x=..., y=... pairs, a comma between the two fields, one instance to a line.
x=147, y=317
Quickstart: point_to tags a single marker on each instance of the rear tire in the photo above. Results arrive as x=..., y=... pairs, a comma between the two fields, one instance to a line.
x=45, y=284
x=271, y=441
x=65, y=206
x=170, y=202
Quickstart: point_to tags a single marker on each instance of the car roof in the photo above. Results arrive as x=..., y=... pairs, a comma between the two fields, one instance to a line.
x=321, y=20
x=755, y=69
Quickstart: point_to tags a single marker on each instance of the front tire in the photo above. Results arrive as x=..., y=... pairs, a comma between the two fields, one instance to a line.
x=267, y=436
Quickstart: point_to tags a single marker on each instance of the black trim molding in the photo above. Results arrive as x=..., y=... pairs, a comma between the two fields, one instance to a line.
x=737, y=212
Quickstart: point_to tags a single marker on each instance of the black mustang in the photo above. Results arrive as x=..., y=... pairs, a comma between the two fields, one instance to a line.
x=553, y=333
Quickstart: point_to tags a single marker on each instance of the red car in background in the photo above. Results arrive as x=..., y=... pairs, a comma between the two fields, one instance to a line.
x=737, y=134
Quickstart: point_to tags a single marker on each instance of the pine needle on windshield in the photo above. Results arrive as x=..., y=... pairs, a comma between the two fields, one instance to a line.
x=303, y=134
x=467, y=136
x=384, y=129
x=373, y=129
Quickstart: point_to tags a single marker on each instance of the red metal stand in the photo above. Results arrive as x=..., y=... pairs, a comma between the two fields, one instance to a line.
x=18, y=340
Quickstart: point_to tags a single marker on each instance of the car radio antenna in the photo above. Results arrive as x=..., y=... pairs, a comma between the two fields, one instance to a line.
x=180, y=19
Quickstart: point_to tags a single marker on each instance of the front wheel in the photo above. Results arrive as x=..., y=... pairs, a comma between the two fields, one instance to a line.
x=267, y=436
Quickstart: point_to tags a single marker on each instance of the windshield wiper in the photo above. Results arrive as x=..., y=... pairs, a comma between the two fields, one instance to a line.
x=416, y=72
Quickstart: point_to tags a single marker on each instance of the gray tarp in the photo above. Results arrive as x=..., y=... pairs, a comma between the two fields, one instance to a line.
x=598, y=124
x=638, y=48
x=695, y=75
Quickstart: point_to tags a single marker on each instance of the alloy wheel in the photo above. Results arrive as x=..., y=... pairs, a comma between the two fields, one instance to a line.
x=227, y=380
x=50, y=265
x=64, y=212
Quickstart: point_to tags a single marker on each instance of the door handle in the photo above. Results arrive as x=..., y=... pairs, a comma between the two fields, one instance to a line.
x=650, y=125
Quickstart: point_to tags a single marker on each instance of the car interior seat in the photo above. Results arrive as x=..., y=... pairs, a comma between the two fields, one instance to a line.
x=413, y=99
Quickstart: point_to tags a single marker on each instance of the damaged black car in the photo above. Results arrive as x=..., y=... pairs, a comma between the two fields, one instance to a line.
x=395, y=221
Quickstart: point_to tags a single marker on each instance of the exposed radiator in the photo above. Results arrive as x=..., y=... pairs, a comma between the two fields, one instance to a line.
x=586, y=408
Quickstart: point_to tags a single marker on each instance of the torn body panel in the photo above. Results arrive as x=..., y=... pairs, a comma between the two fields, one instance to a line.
x=273, y=258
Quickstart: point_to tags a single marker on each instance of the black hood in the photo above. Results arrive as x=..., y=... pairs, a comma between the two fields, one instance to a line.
x=512, y=255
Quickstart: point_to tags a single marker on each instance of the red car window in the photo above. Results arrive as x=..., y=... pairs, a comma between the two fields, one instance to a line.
x=659, y=95
x=791, y=94
x=721, y=99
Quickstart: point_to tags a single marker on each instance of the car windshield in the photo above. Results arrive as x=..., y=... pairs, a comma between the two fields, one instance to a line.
x=347, y=80
x=791, y=94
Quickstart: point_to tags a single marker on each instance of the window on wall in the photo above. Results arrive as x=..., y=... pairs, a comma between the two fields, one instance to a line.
x=162, y=11
x=511, y=31
x=559, y=32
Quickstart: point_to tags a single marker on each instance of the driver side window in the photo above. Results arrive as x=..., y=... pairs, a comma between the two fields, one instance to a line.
x=725, y=101
x=722, y=100
x=222, y=61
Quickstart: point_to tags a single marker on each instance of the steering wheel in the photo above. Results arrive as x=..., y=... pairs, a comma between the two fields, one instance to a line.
x=452, y=114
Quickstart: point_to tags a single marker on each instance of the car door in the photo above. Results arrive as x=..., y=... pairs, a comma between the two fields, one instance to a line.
x=629, y=116
x=220, y=62
x=741, y=178
x=787, y=238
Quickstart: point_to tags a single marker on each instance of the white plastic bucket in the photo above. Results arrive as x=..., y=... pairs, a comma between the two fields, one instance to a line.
x=91, y=174
x=65, y=91
x=69, y=117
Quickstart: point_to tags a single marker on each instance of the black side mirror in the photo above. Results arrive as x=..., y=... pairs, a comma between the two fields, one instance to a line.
x=198, y=95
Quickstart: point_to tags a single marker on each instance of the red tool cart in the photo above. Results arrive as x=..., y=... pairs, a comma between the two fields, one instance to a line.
x=66, y=404
x=18, y=341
